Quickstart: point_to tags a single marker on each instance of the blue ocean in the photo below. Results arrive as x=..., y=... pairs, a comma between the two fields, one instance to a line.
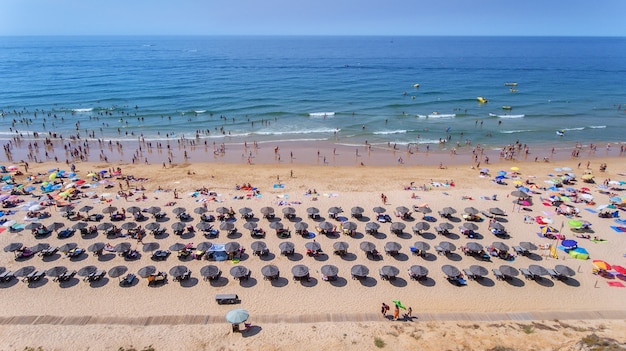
x=344, y=90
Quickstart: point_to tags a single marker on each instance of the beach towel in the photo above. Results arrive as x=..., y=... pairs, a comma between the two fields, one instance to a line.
x=619, y=229
x=591, y=210
x=616, y=284
x=279, y=186
x=599, y=241
x=620, y=221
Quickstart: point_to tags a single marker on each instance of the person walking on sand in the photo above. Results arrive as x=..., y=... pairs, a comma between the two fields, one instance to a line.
x=383, y=310
x=396, y=313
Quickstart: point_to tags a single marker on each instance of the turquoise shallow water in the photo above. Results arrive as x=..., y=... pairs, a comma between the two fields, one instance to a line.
x=351, y=89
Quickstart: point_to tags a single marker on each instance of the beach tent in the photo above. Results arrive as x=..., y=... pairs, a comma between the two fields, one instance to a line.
x=579, y=253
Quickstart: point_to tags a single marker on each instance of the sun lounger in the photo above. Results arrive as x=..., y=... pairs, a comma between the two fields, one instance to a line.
x=95, y=276
x=498, y=274
x=222, y=299
x=182, y=277
x=520, y=250
x=554, y=274
x=527, y=274
x=440, y=250
x=6, y=276
x=159, y=278
x=469, y=274
x=65, y=276
x=128, y=279
x=34, y=276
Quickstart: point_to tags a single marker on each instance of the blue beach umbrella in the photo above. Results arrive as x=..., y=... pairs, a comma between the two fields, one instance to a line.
x=237, y=316
x=613, y=199
x=569, y=244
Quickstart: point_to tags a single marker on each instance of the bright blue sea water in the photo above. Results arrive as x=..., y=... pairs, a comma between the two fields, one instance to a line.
x=341, y=89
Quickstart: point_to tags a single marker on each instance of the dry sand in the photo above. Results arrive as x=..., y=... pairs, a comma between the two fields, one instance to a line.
x=308, y=315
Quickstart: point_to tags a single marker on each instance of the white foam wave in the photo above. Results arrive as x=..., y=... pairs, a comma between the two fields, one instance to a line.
x=579, y=128
x=597, y=127
x=309, y=131
x=80, y=110
x=437, y=115
x=199, y=111
x=506, y=116
x=515, y=131
x=386, y=132
x=321, y=114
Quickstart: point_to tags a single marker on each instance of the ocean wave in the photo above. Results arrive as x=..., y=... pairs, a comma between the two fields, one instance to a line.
x=515, y=131
x=199, y=111
x=506, y=116
x=321, y=114
x=438, y=115
x=386, y=132
x=81, y=110
x=307, y=131
x=578, y=128
x=597, y=127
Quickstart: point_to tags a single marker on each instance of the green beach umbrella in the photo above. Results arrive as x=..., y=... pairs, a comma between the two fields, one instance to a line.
x=399, y=304
x=575, y=223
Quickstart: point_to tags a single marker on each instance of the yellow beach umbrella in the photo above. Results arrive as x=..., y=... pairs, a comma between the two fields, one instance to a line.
x=515, y=169
x=92, y=174
x=518, y=182
x=52, y=176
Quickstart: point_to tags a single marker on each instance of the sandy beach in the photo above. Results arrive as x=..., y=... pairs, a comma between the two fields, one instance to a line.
x=521, y=314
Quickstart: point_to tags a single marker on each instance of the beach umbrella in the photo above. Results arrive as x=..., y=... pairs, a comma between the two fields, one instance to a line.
x=204, y=226
x=528, y=245
x=210, y=271
x=326, y=226
x=87, y=270
x=300, y=270
x=300, y=226
x=56, y=226
x=227, y=226
x=39, y=247
x=24, y=271
x=474, y=246
x=389, y=271
x=80, y=225
x=34, y=225
x=133, y=209
x=289, y=211
x=448, y=211
x=518, y=193
x=496, y=226
x=312, y=210
x=509, y=271
x=85, y=208
x=341, y=245
x=35, y=208
x=397, y=226
x=104, y=226
x=574, y=223
x=446, y=226
x=515, y=169
x=231, y=247
x=313, y=246
x=372, y=226
x=367, y=246
x=266, y=211
x=422, y=246
x=178, y=271
x=359, y=270
x=379, y=210
x=357, y=210
x=470, y=226
x=499, y=245
x=478, y=270
x=335, y=210
x=177, y=246
x=402, y=209
x=200, y=210
x=153, y=210
x=447, y=246
x=123, y=247
x=270, y=270
x=117, y=271
x=450, y=270
x=258, y=246
x=278, y=225
x=569, y=244
x=146, y=271
x=496, y=211
x=251, y=225
x=286, y=246
x=392, y=246
x=56, y=271
x=245, y=211
x=602, y=265
x=239, y=271
x=152, y=246
x=349, y=225
x=419, y=270
x=329, y=270
x=237, y=316
x=109, y=209
x=178, y=210
x=153, y=226
x=222, y=210
x=68, y=247
x=471, y=210
x=204, y=246
x=565, y=270
x=419, y=226
x=13, y=247
x=129, y=225
x=178, y=226
x=95, y=247
x=424, y=210
x=537, y=270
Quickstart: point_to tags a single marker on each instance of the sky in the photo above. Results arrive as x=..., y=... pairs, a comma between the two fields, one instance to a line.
x=319, y=17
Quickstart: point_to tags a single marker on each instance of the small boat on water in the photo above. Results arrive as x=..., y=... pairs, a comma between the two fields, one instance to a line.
x=560, y=132
x=482, y=100
x=416, y=85
x=511, y=84
x=508, y=108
